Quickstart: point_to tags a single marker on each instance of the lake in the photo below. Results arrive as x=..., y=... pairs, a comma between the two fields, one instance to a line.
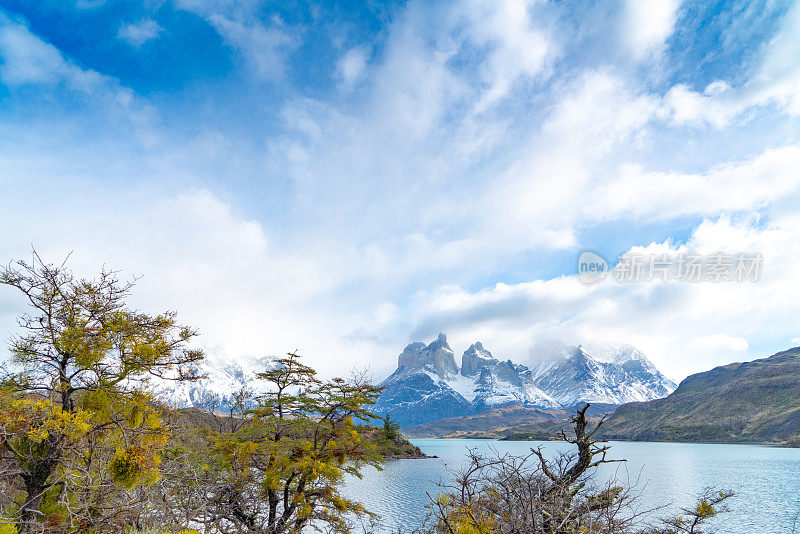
x=766, y=480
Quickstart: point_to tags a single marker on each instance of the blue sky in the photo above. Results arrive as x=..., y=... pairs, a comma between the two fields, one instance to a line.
x=346, y=177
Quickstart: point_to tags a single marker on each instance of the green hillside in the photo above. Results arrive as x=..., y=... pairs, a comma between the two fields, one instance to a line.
x=756, y=401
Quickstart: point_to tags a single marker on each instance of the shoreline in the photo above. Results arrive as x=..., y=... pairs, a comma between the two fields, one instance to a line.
x=774, y=445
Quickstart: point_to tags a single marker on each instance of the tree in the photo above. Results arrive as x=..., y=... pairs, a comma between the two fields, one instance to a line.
x=535, y=495
x=690, y=521
x=78, y=426
x=506, y=494
x=282, y=466
x=391, y=430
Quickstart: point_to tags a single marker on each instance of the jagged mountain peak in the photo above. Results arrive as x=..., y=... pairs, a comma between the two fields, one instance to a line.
x=546, y=353
x=474, y=358
x=414, y=346
x=427, y=383
x=608, y=373
x=440, y=341
x=437, y=358
x=225, y=377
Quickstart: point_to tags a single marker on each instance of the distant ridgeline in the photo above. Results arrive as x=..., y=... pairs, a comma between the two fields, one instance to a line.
x=432, y=396
x=756, y=401
x=429, y=386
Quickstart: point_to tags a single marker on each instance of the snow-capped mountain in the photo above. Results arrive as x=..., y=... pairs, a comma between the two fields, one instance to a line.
x=609, y=374
x=223, y=379
x=499, y=383
x=420, y=389
x=428, y=385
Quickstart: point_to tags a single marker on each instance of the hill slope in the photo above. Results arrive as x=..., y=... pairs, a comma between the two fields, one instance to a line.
x=756, y=401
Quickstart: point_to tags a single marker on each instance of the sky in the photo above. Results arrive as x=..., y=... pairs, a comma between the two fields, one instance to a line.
x=343, y=178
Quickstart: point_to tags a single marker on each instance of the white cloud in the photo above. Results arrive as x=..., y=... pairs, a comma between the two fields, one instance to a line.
x=264, y=43
x=218, y=270
x=683, y=327
x=27, y=60
x=467, y=146
x=715, y=106
x=721, y=341
x=264, y=46
x=728, y=187
x=350, y=67
x=138, y=33
x=518, y=49
x=552, y=182
x=774, y=80
x=647, y=24
x=778, y=75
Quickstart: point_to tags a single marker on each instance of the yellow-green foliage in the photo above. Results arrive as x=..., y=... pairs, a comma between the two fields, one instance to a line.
x=460, y=519
x=35, y=419
x=8, y=529
x=705, y=509
x=88, y=434
x=133, y=466
x=156, y=530
x=298, y=444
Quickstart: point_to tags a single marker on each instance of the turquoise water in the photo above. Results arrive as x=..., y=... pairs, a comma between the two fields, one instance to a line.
x=766, y=480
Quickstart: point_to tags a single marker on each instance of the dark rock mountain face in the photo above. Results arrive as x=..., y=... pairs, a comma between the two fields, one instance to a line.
x=437, y=358
x=756, y=401
x=475, y=358
x=415, y=392
x=428, y=385
x=418, y=399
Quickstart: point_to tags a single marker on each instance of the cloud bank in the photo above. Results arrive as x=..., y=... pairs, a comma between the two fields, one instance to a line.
x=343, y=183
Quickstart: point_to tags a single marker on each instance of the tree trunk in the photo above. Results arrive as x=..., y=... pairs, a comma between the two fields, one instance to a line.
x=30, y=514
x=36, y=482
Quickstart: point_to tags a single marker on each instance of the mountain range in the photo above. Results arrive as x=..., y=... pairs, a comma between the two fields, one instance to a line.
x=223, y=379
x=757, y=401
x=431, y=396
x=428, y=384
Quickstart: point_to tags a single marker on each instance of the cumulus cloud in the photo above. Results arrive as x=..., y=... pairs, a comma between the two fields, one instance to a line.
x=773, y=80
x=728, y=187
x=138, y=33
x=684, y=327
x=647, y=24
x=435, y=183
x=350, y=67
x=197, y=256
x=518, y=49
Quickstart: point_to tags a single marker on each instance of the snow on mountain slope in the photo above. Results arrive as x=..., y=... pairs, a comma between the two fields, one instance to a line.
x=429, y=384
x=223, y=379
x=499, y=383
x=610, y=374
